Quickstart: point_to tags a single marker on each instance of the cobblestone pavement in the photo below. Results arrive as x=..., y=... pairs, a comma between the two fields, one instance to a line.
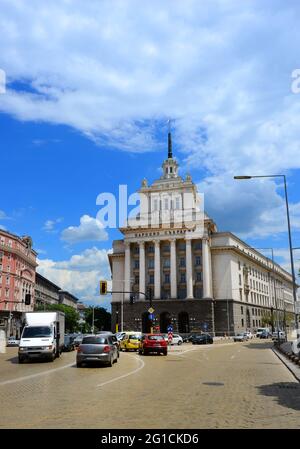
x=233, y=385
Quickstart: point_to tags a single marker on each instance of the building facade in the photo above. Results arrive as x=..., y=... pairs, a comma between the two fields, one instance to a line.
x=45, y=292
x=17, y=279
x=200, y=279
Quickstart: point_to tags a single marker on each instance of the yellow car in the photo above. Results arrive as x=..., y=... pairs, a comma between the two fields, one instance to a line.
x=130, y=341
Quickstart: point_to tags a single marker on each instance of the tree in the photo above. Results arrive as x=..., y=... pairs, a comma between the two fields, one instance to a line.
x=102, y=318
x=71, y=314
x=266, y=319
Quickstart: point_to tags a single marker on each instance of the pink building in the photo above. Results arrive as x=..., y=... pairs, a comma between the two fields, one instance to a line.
x=17, y=279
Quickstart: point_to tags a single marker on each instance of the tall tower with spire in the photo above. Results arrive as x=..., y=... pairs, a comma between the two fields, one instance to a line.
x=170, y=165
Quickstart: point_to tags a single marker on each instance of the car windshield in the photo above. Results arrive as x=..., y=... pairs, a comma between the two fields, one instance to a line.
x=134, y=337
x=155, y=337
x=94, y=341
x=36, y=332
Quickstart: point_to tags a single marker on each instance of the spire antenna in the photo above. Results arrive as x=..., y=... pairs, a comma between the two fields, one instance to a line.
x=170, y=155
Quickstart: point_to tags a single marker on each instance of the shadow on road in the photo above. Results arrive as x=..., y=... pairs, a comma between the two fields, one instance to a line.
x=286, y=394
x=15, y=361
x=264, y=345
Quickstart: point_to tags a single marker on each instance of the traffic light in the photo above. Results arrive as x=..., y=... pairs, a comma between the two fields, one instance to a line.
x=27, y=299
x=103, y=287
x=132, y=298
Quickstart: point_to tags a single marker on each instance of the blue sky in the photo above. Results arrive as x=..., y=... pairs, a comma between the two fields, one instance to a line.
x=89, y=90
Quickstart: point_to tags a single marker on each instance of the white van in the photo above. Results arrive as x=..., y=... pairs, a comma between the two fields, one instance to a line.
x=260, y=330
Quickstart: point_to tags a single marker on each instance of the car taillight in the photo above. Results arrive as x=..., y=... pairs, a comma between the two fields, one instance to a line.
x=106, y=349
x=78, y=349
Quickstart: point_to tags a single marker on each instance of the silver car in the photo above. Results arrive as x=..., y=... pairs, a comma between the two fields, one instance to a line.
x=97, y=348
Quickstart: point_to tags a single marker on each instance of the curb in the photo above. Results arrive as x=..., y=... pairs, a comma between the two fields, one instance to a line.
x=295, y=370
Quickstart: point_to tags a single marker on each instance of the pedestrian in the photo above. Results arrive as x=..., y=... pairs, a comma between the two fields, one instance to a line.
x=2, y=341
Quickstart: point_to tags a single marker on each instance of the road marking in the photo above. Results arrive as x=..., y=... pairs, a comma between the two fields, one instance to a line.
x=31, y=376
x=142, y=364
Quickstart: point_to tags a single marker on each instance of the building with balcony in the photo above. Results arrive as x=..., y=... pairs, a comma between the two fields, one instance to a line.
x=17, y=279
x=199, y=278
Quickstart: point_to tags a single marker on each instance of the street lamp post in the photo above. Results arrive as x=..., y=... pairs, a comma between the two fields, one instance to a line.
x=289, y=233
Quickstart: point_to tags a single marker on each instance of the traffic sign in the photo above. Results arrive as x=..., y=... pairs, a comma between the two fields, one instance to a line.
x=205, y=326
x=151, y=316
x=151, y=310
x=170, y=328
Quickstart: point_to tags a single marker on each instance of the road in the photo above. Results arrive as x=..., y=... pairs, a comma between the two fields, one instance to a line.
x=229, y=385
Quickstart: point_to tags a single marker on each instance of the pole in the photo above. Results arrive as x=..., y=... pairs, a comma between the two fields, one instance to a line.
x=275, y=294
x=122, y=312
x=93, y=319
x=291, y=256
x=228, y=329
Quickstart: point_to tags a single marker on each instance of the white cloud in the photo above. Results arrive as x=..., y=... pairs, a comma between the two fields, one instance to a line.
x=80, y=274
x=90, y=229
x=3, y=215
x=114, y=72
x=49, y=225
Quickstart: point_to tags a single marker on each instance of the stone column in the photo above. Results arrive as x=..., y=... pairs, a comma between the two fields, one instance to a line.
x=173, y=270
x=206, y=267
x=157, y=282
x=127, y=271
x=189, y=269
x=142, y=284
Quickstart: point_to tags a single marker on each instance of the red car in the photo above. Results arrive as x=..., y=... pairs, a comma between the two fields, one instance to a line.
x=153, y=343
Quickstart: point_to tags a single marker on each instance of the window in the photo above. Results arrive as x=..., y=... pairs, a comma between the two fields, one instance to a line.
x=151, y=249
x=151, y=263
x=199, y=276
x=182, y=277
x=241, y=294
x=239, y=263
x=136, y=250
x=155, y=204
x=167, y=278
x=177, y=203
x=182, y=262
x=151, y=279
x=242, y=310
x=198, y=245
x=198, y=260
x=171, y=169
x=166, y=204
x=7, y=280
x=240, y=279
x=136, y=279
x=242, y=321
x=167, y=263
x=136, y=263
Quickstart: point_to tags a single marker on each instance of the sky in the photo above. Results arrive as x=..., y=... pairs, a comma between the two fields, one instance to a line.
x=89, y=89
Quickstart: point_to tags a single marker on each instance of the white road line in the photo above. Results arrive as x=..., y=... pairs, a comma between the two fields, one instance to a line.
x=142, y=364
x=31, y=376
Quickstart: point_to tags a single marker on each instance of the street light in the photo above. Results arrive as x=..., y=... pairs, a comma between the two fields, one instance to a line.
x=289, y=233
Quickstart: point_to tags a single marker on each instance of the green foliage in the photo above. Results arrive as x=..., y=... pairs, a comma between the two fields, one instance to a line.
x=71, y=315
x=102, y=318
x=266, y=319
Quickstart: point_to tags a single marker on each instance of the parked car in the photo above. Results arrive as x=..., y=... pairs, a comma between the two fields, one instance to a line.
x=12, y=341
x=77, y=340
x=249, y=335
x=176, y=340
x=131, y=341
x=240, y=337
x=68, y=343
x=153, y=343
x=281, y=335
x=260, y=330
x=202, y=339
x=97, y=348
x=265, y=334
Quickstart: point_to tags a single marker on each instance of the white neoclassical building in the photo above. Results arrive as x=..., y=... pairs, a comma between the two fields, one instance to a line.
x=199, y=278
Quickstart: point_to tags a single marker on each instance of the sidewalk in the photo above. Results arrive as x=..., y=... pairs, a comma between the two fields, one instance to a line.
x=292, y=362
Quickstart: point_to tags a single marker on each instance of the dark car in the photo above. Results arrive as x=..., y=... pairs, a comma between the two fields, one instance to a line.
x=202, y=339
x=97, y=348
x=265, y=334
x=69, y=344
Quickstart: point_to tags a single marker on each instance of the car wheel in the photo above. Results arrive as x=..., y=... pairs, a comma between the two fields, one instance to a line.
x=165, y=352
x=145, y=352
x=116, y=360
x=179, y=343
x=78, y=364
x=110, y=363
x=21, y=359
